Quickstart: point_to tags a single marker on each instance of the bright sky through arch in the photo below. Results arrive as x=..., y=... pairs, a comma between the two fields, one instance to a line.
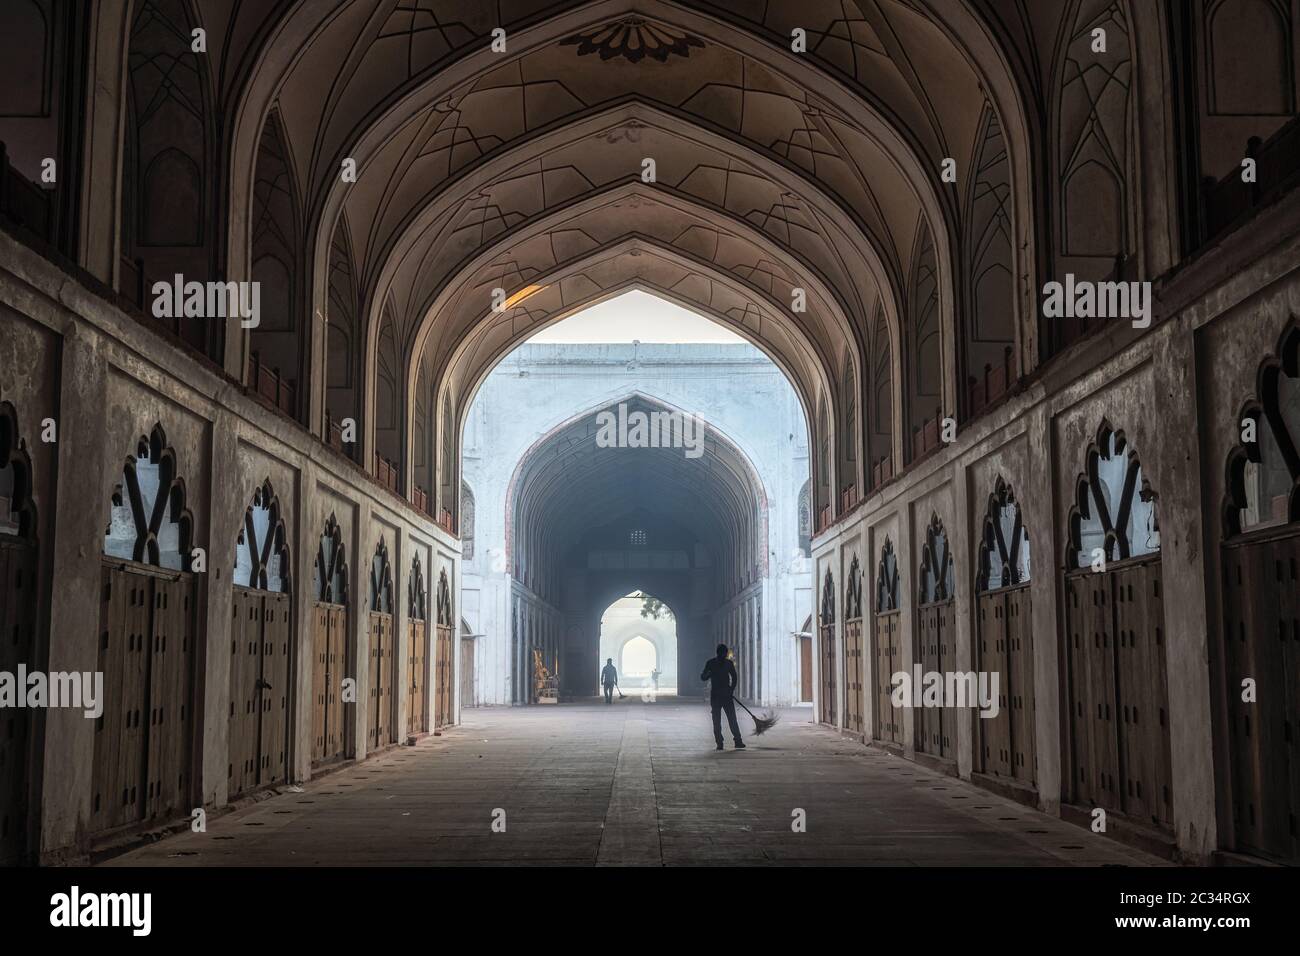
x=640, y=316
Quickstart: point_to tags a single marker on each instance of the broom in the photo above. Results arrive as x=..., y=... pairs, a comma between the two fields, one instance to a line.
x=761, y=724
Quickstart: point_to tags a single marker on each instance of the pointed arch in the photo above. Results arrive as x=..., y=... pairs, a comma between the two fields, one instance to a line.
x=937, y=576
x=149, y=521
x=887, y=579
x=277, y=342
x=262, y=546
x=1115, y=507
x=417, y=595
x=331, y=567
x=343, y=339
x=381, y=579
x=169, y=162
x=1004, y=543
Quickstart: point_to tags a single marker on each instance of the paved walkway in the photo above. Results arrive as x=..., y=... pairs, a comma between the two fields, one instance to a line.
x=634, y=783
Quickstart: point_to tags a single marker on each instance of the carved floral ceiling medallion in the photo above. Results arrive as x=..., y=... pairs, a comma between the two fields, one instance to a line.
x=634, y=39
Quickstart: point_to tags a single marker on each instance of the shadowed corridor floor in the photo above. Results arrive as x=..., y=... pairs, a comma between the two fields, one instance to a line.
x=638, y=784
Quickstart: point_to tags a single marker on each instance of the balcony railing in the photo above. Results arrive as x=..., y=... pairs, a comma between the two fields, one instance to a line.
x=24, y=202
x=420, y=498
x=823, y=519
x=848, y=497
x=926, y=437
x=271, y=385
x=996, y=382
x=445, y=522
x=1227, y=201
x=882, y=471
x=386, y=473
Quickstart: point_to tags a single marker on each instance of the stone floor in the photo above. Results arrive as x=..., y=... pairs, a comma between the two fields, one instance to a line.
x=634, y=783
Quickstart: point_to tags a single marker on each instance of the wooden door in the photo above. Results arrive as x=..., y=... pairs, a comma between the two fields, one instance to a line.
x=273, y=732
x=118, y=792
x=992, y=736
x=17, y=626
x=171, y=693
x=417, y=713
x=144, y=740
x=339, y=664
x=805, y=669
x=1142, y=691
x=1261, y=598
x=379, y=733
x=466, y=672
x=854, y=695
x=826, y=660
x=886, y=657
x=443, y=669
x=1019, y=693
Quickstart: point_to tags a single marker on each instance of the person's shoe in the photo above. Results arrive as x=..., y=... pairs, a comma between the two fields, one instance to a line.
x=739, y=745
x=720, y=747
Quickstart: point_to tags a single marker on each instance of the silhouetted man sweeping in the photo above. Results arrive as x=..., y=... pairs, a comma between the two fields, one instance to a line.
x=721, y=675
x=609, y=679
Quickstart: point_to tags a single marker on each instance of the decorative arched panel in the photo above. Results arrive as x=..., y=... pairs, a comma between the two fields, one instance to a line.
x=382, y=712
x=881, y=402
x=990, y=333
x=1004, y=543
x=331, y=568
x=344, y=338
x=168, y=163
x=277, y=343
x=149, y=521
x=262, y=548
x=925, y=340
x=1114, y=514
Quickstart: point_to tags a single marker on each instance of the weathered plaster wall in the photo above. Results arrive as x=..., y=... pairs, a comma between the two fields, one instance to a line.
x=73, y=356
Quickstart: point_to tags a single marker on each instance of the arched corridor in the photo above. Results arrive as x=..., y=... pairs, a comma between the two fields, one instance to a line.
x=373, y=372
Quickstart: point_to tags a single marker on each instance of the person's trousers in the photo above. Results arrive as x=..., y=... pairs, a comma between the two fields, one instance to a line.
x=609, y=693
x=718, y=706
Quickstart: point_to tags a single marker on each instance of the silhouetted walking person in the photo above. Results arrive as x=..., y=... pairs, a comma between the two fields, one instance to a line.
x=721, y=675
x=609, y=679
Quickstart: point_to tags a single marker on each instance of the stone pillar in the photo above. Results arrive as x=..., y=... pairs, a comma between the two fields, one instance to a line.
x=74, y=624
